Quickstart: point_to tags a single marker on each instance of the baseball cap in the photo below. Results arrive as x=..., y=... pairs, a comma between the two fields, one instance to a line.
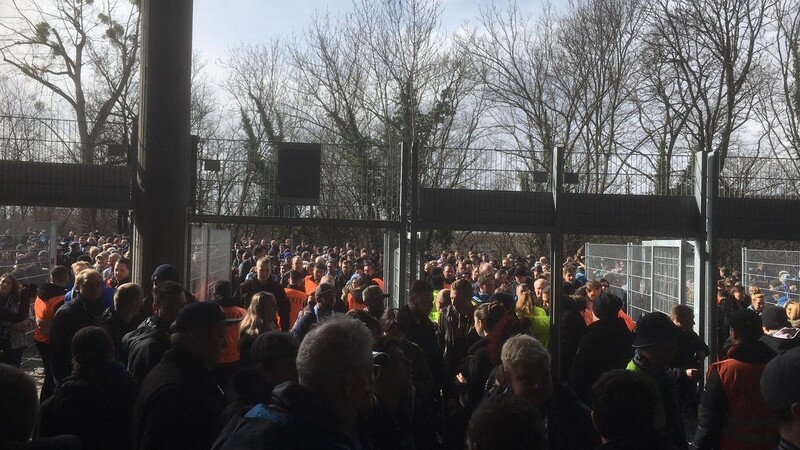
x=653, y=328
x=165, y=272
x=373, y=293
x=200, y=315
x=779, y=385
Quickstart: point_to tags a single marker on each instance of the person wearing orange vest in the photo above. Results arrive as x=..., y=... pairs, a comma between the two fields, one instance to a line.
x=229, y=356
x=312, y=281
x=369, y=269
x=733, y=414
x=296, y=294
x=49, y=298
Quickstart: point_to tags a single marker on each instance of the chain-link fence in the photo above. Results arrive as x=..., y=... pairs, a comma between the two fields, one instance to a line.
x=211, y=259
x=653, y=276
x=775, y=272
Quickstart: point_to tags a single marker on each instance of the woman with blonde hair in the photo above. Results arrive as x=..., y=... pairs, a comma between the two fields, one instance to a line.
x=793, y=313
x=260, y=318
x=540, y=323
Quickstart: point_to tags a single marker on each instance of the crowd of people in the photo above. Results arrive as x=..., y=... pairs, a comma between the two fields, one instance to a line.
x=303, y=349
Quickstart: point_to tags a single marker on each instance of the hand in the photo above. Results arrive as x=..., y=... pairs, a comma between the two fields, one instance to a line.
x=460, y=379
x=692, y=374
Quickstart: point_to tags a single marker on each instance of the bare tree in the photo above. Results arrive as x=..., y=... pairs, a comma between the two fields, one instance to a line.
x=715, y=48
x=84, y=52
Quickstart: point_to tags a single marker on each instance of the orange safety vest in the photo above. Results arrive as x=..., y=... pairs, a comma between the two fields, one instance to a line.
x=750, y=424
x=379, y=282
x=297, y=301
x=44, y=311
x=230, y=352
x=310, y=285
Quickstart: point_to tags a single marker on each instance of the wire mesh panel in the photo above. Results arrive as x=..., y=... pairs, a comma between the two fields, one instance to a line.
x=640, y=275
x=775, y=272
x=760, y=177
x=609, y=261
x=211, y=259
x=630, y=174
x=667, y=284
x=43, y=139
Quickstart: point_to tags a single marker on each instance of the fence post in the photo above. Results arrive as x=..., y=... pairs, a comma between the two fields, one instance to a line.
x=402, y=279
x=557, y=251
x=711, y=269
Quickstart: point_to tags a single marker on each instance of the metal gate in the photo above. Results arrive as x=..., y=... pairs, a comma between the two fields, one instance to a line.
x=652, y=276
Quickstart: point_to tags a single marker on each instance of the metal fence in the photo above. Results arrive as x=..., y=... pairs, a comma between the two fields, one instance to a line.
x=775, y=272
x=629, y=173
x=42, y=139
x=652, y=276
x=760, y=177
x=211, y=259
x=356, y=183
x=486, y=169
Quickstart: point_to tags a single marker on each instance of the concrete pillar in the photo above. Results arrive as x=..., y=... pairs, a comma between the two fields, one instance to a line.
x=163, y=169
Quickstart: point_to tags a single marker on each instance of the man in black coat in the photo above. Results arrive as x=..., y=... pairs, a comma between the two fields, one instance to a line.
x=146, y=344
x=180, y=402
x=605, y=346
x=85, y=309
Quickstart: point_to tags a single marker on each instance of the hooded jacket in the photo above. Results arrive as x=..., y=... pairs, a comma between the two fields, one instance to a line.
x=145, y=346
x=296, y=418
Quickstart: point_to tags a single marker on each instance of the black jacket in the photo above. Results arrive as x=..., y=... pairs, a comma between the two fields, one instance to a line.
x=423, y=333
x=179, y=405
x=605, y=346
x=782, y=340
x=246, y=389
x=573, y=326
x=96, y=406
x=250, y=287
x=296, y=418
x=117, y=328
x=145, y=346
x=70, y=318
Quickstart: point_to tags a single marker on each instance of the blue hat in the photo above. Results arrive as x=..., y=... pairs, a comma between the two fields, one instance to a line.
x=165, y=272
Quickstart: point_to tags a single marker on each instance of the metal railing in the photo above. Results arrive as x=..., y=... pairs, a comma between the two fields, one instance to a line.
x=630, y=174
x=41, y=139
x=485, y=169
x=760, y=177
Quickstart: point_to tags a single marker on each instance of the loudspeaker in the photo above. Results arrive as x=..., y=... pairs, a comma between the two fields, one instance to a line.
x=298, y=179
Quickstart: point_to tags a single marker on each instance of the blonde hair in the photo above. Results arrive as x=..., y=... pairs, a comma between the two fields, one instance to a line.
x=526, y=301
x=253, y=322
x=80, y=266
